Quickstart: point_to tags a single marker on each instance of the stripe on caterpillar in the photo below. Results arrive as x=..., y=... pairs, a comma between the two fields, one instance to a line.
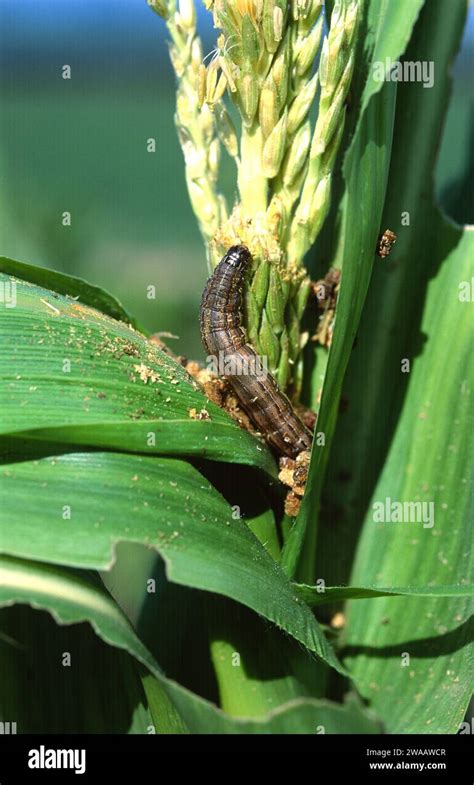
x=223, y=336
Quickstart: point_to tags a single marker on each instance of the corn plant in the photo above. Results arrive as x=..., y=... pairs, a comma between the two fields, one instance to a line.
x=352, y=616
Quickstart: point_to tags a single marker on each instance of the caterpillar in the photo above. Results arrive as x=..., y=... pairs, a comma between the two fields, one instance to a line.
x=224, y=338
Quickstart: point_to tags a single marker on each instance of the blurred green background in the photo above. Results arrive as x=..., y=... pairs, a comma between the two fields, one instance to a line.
x=80, y=145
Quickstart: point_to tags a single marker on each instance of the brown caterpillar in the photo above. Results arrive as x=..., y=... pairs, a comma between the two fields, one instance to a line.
x=224, y=338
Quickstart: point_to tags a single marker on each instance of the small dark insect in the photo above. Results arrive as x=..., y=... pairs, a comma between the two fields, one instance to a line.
x=325, y=292
x=385, y=243
x=224, y=340
x=325, y=289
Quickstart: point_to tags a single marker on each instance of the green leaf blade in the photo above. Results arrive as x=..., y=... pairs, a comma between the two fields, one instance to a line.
x=73, y=510
x=74, y=375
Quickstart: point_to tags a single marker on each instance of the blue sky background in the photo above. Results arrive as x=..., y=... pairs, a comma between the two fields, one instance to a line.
x=96, y=27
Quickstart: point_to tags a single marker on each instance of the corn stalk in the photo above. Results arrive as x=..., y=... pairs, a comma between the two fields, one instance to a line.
x=265, y=63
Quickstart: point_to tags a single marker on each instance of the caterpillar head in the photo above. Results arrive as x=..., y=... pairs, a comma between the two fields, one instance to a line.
x=238, y=256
